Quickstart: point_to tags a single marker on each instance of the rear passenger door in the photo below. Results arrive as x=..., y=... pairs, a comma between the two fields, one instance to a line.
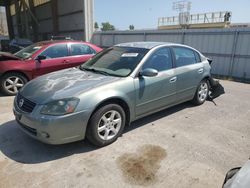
x=189, y=71
x=80, y=53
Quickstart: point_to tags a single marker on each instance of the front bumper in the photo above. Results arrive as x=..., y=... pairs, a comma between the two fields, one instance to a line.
x=52, y=129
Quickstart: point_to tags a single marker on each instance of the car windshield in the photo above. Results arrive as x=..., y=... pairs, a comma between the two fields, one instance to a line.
x=28, y=51
x=116, y=61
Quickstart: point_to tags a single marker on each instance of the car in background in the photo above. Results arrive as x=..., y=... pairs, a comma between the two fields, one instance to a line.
x=14, y=45
x=39, y=59
x=18, y=44
x=238, y=177
x=4, y=44
x=117, y=86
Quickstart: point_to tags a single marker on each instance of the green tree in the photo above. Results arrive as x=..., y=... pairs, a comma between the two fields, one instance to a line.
x=131, y=27
x=106, y=26
x=96, y=26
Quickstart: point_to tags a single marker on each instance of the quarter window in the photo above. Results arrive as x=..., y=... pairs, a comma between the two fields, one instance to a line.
x=81, y=49
x=160, y=60
x=198, y=57
x=56, y=51
x=184, y=56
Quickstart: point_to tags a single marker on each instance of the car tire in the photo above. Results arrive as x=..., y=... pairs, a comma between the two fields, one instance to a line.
x=12, y=82
x=106, y=125
x=201, y=93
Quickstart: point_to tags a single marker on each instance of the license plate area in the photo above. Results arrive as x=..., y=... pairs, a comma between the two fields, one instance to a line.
x=17, y=115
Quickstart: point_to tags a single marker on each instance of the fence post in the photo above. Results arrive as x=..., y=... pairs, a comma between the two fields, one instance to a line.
x=144, y=36
x=183, y=37
x=113, y=39
x=231, y=65
x=101, y=40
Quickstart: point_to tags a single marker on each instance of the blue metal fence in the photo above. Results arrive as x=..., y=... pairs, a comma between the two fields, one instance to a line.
x=229, y=48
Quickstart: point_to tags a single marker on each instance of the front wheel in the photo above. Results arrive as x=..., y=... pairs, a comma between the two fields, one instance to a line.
x=11, y=83
x=106, y=125
x=201, y=93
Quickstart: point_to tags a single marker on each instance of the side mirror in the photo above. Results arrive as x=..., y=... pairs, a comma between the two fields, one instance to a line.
x=149, y=72
x=40, y=58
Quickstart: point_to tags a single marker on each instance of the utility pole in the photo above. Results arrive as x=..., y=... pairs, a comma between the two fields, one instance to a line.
x=183, y=7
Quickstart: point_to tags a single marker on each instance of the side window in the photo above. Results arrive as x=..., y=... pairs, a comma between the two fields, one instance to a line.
x=57, y=51
x=197, y=57
x=160, y=60
x=81, y=49
x=184, y=56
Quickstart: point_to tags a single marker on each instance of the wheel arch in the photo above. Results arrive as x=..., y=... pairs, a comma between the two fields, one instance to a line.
x=16, y=71
x=114, y=100
x=208, y=78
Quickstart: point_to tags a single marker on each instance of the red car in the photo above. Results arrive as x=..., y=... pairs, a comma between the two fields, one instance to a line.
x=39, y=59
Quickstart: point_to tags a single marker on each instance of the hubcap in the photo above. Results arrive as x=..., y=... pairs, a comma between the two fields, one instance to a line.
x=13, y=84
x=109, y=125
x=203, y=91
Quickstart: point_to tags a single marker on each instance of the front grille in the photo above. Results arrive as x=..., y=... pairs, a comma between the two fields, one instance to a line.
x=25, y=104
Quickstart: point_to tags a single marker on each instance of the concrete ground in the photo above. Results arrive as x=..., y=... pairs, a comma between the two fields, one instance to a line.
x=184, y=146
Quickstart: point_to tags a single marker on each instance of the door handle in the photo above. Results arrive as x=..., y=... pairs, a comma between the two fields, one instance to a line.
x=66, y=61
x=200, y=71
x=172, y=80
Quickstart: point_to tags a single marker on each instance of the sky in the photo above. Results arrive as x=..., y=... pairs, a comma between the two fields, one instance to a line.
x=144, y=14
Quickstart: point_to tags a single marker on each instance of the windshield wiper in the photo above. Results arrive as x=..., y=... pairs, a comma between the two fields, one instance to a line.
x=17, y=56
x=20, y=57
x=96, y=71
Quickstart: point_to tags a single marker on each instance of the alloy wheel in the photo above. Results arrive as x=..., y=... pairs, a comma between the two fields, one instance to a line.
x=109, y=125
x=13, y=84
x=203, y=92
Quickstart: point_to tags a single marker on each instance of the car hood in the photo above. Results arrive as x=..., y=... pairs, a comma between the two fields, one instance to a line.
x=63, y=84
x=4, y=56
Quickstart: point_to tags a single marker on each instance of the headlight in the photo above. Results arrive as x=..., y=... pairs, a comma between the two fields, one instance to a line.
x=60, y=107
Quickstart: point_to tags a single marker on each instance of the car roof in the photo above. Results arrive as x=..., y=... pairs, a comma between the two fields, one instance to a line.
x=49, y=42
x=146, y=45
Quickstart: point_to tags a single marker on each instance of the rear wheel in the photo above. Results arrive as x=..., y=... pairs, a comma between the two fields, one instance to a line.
x=106, y=125
x=201, y=93
x=11, y=83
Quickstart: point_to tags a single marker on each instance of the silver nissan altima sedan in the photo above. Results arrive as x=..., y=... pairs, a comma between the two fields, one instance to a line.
x=117, y=86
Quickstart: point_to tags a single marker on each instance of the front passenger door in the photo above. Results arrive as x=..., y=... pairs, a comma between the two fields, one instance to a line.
x=57, y=58
x=154, y=93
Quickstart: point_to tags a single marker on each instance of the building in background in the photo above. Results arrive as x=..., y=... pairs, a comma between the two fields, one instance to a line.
x=186, y=20
x=3, y=23
x=196, y=21
x=42, y=19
